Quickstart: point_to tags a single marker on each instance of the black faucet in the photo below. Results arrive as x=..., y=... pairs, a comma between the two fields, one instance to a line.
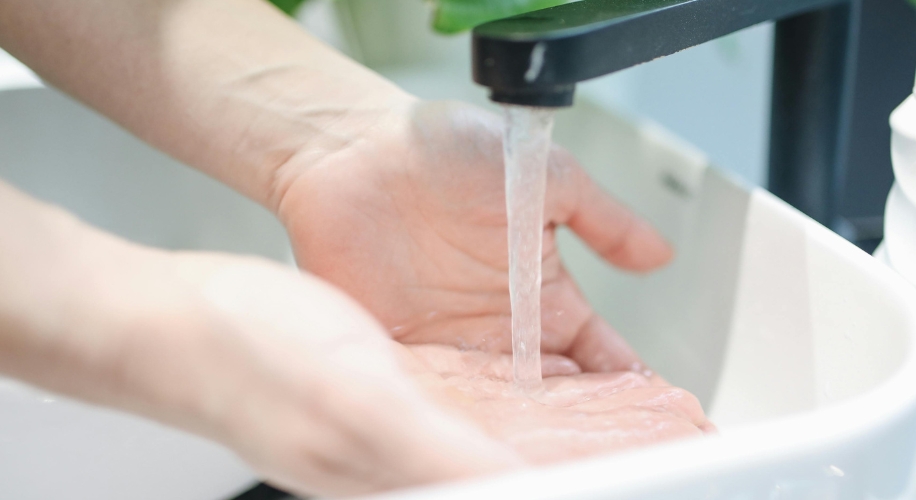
x=536, y=59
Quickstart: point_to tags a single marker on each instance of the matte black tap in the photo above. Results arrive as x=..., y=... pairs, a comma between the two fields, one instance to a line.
x=536, y=59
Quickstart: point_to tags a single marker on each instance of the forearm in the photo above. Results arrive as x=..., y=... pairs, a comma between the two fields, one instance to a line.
x=88, y=315
x=45, y=279
x=229, y=86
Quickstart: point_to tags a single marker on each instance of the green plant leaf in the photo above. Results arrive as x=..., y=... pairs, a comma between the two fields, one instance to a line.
x=453, y=16
x=288, y=6
x=913, y=2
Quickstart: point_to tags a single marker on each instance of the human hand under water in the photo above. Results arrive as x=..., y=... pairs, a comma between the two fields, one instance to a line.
x=279, y=366
x=289, y=372
x=398, y=202
x=410, y=219
x=572, y=416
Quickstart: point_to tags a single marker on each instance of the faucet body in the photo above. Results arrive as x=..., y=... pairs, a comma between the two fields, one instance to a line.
x=536, y=59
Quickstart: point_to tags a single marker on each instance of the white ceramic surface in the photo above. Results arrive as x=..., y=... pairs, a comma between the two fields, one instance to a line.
x=903, y=145
x=900, y=211
x=880, y=253
x=900, y=232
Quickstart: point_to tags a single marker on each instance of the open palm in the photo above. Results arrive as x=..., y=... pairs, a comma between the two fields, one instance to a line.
x=411, y=221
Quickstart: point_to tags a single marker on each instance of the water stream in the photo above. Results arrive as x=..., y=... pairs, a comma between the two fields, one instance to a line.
x=526, y=146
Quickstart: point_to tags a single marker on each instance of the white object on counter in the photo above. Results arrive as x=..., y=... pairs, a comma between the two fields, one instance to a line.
x=900, y=232
x=903, y=145
x=900, y=212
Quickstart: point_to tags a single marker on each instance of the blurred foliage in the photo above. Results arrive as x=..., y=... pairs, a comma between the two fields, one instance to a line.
x=288, y=6
x=454, y=16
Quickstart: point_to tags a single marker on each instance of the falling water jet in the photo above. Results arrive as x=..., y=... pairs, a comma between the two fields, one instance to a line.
x=526, y=146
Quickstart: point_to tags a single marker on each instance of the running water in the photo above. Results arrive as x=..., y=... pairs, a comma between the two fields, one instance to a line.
x=526, y=146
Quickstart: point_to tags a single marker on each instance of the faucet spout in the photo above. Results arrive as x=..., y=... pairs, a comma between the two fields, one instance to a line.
x=536, y=59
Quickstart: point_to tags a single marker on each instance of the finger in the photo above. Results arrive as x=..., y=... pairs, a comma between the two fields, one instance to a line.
x=567, y=391
x=599, y=348
x=598, y=385
x=609, y=228
x=596, y=433
x=555, y=365
x=604, y=392
x=564, y=310
x=673, y=400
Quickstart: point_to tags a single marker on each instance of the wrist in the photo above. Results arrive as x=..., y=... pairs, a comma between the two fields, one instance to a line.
x=335, y=131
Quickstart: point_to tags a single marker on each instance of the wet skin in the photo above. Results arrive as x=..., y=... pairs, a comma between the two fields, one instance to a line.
x=421, y=239
x=574, y=415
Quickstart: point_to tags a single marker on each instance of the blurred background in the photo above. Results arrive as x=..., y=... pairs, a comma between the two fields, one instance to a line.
x=715, y=96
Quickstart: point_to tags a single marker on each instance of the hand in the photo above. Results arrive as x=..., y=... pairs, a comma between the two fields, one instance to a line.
x=306, y=387
x=576, y=414
x=410, y=220
x=279, y=366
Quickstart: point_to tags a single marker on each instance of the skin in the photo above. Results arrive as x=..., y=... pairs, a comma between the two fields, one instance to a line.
x=431, y=207
x=383, y=363
x=278, y=365
x=574, y=414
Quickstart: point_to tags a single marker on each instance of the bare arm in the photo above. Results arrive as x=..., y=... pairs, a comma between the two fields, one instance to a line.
x=382, y=195
x=232, y=87
x=279, y=366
